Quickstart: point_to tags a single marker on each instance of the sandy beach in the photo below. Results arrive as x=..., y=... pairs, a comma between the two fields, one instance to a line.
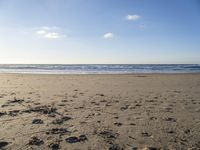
x=100, y=112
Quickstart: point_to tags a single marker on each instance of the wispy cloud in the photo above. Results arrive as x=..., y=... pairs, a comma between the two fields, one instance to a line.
x=41, y=32
x=133, y=17
x=49, y=32
x=108, y=35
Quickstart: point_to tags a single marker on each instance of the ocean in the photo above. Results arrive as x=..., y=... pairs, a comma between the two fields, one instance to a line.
x=99, y=68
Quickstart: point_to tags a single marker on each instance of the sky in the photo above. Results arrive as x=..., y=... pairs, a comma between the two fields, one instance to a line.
x=99, y=31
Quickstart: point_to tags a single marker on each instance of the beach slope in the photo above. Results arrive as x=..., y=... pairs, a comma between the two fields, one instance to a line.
x=100, y=112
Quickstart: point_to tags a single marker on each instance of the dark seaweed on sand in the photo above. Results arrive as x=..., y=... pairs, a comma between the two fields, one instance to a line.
x=42, y=110
x=61, y=120
x=3, y=144
x=74, y=139
x=60, y=131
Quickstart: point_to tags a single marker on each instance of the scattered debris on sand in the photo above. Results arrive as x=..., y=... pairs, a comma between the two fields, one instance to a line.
x=74, y=139
x=35, y=141
x=60, y=131
x=54, y=146
x=3, y=113
x=37, y=121
x=42, y=110
x=109, y=134
x=61, y=120
x=3, y=144
x=16, y=101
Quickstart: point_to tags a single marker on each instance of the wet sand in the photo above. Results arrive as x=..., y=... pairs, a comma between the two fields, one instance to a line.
x=100, y=112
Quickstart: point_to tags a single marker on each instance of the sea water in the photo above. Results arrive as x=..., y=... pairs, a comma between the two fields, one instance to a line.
x=99, y=68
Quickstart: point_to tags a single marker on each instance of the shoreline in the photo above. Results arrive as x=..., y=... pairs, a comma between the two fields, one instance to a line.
x=104, y=74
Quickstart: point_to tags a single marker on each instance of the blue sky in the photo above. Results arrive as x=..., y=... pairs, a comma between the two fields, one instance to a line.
x=99, y=31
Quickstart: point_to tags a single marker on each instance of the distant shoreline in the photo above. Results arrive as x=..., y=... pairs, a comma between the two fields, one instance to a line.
x=100, y=68
x=123, y=74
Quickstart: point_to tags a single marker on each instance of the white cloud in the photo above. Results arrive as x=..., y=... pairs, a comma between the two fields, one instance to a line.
x=133, y=17
x=108, y=35
x=50, y=28
x=41, y=32
x=52, y=35
x=49, y=32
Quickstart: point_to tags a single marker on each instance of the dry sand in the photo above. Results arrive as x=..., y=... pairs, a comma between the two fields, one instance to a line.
x=100, y=112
